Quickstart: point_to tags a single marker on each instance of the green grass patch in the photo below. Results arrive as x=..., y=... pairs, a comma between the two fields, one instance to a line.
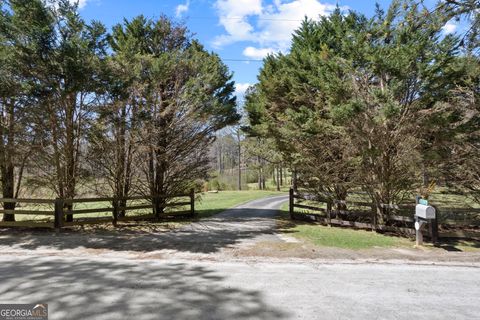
x=448, y=200
x=339, y=237
x=346, y=238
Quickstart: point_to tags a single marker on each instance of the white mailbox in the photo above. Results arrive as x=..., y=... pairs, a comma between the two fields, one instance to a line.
x=425, y=212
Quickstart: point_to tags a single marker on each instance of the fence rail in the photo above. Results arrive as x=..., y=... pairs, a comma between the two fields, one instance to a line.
x=64, y=214
x=13, y=200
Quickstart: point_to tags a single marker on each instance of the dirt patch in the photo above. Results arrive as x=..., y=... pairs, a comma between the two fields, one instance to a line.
x=305, y=250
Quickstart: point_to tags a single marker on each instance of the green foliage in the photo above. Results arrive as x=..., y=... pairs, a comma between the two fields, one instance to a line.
x=349, y=110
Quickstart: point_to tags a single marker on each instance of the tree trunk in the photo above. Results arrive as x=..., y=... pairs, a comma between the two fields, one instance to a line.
x=121, y=156
x=380, y=216
x=127, y=182
x=20, y=175
x=260, y=179
x=278, y=179
x=380, y=211
x=340, y=193
x=8, y=178
x=70, y=154
x=239, y=166
x=7, y=167
x=425, y=176
x=160, y=171
x=56, y=155
x=281, y=175
x=294, y=181
x=220, y=159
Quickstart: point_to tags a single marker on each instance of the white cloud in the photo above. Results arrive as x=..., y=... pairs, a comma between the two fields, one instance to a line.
x=55, y=3
x=284, y=18
x=239, y=8
x=269, y=25
x=233, y=16
x=182, y=8
x=449, y=27
x=257, y=53
x=240, y=89
x=81, y=3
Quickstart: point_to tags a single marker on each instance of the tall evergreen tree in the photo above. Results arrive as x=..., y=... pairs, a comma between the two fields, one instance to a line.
x=167, y=97
x=24, y=33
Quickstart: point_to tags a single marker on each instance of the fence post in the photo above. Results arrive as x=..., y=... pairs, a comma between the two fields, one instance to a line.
x=192, y=202
x=329, y=213
x=291, y=203
x=433, y=227
x=58, y=214
x=156, y=209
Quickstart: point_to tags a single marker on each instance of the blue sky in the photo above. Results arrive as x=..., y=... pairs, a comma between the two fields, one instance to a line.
x=237, y=30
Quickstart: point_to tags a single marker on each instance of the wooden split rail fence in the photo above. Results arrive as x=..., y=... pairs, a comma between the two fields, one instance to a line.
x=452, y=222
x=56, y=211
x=363, y=216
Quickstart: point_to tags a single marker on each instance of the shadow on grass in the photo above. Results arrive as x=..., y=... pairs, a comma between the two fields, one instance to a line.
x=204, y=236
x=88, y=289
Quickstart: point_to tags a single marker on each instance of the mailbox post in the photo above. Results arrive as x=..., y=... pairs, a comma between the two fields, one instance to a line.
x=423, y=214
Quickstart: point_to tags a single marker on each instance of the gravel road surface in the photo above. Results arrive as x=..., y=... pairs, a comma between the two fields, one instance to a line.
x=80, y=288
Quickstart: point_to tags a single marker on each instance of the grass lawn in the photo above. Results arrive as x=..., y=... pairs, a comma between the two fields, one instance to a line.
x=346, y=238
x=339, y=237
x=452, y=200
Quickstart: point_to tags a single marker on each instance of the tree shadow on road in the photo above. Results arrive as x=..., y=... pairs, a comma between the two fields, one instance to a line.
x=205, y=236
x=457, y=244
x=88, y=289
